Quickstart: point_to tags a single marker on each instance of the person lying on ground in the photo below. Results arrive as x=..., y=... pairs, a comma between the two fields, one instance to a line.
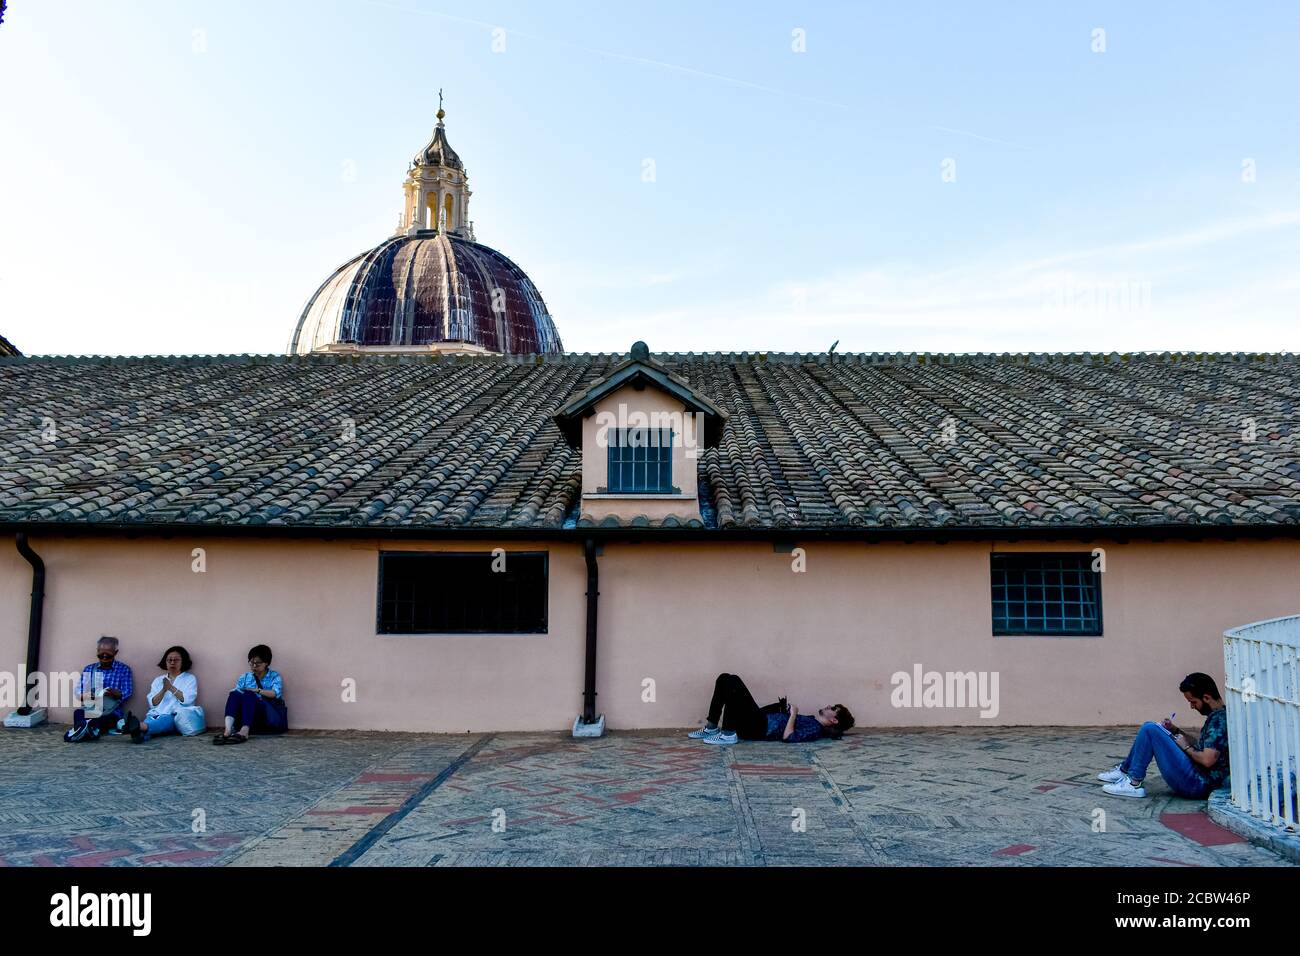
x=734, y=715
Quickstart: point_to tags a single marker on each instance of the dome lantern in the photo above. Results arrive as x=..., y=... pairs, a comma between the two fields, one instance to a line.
x=436, y=188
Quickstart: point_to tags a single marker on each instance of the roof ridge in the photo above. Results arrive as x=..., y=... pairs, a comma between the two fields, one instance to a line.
x=822, y=358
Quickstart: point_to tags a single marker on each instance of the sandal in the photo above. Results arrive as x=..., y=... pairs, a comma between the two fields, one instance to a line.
x=219, y=739
x=236, y=739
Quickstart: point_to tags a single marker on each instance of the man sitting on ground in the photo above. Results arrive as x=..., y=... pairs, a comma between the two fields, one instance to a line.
x=733, y=715
x=102, y=690
x=1191, y=770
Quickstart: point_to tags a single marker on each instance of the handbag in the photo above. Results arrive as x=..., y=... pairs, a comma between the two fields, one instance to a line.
x=276, y=703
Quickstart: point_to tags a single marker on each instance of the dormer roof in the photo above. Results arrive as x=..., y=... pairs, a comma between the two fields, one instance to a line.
x=639, y=371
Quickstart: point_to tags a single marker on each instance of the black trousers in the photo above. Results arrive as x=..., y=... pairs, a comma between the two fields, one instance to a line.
x=104, y=722
x=735, y=705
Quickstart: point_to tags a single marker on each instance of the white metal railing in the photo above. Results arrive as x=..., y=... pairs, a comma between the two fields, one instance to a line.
x=1261, y=663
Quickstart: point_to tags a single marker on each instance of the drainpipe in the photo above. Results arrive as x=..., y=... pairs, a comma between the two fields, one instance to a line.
x=593, y=598
x=33, y=618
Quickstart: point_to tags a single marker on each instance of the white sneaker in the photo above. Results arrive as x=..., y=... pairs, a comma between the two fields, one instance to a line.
x=1124, y=788
x=722, y=738
x=1113, y=775
x=704, y=732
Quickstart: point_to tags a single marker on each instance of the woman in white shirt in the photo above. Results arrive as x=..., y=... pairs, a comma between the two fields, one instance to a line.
x=173, y=700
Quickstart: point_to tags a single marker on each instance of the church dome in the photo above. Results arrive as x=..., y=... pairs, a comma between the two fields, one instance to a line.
x=430, y=287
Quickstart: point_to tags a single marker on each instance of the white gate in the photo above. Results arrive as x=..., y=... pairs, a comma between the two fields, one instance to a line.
x=1261, y=662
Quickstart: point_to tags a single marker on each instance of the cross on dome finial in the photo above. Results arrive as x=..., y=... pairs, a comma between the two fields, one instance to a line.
x=441, y=114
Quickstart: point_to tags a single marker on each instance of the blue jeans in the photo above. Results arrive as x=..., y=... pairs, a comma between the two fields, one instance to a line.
x=1175, y=766
x=187, y=722
x=250, y=709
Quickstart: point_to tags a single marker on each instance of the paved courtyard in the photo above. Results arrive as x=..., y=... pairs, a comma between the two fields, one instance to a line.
x=971, y=796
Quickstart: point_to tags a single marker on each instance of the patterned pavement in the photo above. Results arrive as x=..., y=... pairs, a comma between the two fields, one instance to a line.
x=963, y=796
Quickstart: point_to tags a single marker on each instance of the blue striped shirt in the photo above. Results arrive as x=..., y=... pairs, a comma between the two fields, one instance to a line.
x=116, y=677
x=272, y=681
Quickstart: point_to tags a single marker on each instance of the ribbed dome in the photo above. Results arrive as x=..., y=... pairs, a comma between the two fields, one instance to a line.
x=428, y=289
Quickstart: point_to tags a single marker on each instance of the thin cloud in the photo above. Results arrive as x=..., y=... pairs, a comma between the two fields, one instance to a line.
x=1122, y=297
x=980, y=136
x=1206, y=235
x=613, y=55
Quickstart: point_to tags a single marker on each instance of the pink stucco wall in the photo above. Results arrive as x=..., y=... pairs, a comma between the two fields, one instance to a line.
x=675, y=614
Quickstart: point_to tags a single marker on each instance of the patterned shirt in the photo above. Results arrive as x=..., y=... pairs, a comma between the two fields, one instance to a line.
x=272, y=681
x=805, y=728
x=116, y=677
x=1214, y=736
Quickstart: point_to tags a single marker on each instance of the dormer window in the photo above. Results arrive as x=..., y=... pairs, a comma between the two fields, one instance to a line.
x=641, y=430
x=641, y=461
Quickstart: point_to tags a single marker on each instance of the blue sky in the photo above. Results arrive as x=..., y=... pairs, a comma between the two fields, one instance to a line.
x=178, y=177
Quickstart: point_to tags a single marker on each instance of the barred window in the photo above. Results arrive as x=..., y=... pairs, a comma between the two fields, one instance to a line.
x=1046, y=594
x=640, y=461
x=462, y=593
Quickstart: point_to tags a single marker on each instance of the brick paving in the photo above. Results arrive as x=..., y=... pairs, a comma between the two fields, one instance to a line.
x=962, y=796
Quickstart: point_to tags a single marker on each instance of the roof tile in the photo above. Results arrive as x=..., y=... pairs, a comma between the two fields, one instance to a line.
x=810, y=442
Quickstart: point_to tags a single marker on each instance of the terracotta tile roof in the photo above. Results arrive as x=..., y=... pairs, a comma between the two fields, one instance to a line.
x=811, y=441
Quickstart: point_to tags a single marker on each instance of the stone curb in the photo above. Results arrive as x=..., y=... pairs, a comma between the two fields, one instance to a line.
x=1221, y=811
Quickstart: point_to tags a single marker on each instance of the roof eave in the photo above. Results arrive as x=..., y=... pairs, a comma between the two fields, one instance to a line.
x=866, y=534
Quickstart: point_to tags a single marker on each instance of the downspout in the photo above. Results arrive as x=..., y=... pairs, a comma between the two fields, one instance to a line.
x=33, y=618
x=593, y=599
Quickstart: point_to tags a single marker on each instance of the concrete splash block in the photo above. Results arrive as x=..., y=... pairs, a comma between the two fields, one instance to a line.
x=594, y=729
x=34, y=719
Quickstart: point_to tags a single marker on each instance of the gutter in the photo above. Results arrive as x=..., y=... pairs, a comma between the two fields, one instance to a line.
x=34, y=616
x=788, y=534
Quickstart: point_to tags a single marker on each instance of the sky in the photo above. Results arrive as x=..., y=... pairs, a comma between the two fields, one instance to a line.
x=177, y=177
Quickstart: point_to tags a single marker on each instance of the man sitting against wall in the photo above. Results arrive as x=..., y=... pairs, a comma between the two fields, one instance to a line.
x=1191, y=770
x=102, y=690
x=734, y=715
